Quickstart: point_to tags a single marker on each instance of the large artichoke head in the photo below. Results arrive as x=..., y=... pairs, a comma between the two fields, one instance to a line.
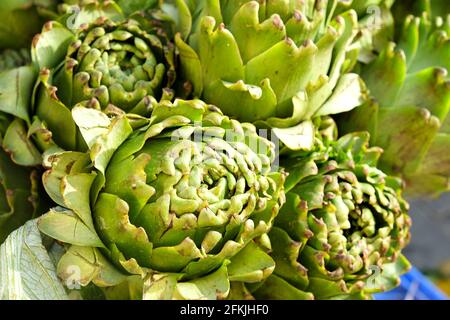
x=178, y=208
x=275, y=63
x=340, y=233
x=108, y=63
x=409, y=118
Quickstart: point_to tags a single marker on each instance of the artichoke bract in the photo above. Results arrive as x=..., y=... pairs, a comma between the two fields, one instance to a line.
x=273, y=63
x=344, y=224
x=409, y=114
x=177, y=208
x=103, y=64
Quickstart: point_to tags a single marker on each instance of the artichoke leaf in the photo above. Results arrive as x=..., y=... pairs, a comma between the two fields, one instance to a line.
x=190, y=65
x=160, y=286
x=279, y=289
x=16, y=86
x=27, y=271
x=50, y=47
x=329, y=290
x=61, y=165
x=300, y=137
x=168, y=286
x=48, y=106
x=251, y=264
x=181, y=15
x=346, y=96
x=102, y=134
x=210, y=287
x=243, y=100
x=77, y=15
x=18, y=144
x=66, y=227
x=81, y=265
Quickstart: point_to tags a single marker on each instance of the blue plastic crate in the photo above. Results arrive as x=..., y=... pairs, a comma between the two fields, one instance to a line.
x=414, y=286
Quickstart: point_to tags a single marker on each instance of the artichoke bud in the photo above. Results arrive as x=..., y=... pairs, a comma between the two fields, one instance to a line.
x=105, y=63
x=344, y=223
x=160, y=199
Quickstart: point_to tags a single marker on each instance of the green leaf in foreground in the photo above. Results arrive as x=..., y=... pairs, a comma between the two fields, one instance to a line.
x=26, y=270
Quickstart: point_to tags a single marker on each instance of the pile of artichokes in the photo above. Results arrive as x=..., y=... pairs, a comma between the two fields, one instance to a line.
x=197, y=149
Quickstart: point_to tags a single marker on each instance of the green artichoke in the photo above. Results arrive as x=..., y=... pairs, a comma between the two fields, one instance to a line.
x=175, y=206
x=274, y=63
x=409, y=116
x=343, y=220
x=103, y=62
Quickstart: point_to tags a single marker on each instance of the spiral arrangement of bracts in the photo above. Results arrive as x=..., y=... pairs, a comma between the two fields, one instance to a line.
x=185, y=196
x=119, y=64
x=342, y=218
